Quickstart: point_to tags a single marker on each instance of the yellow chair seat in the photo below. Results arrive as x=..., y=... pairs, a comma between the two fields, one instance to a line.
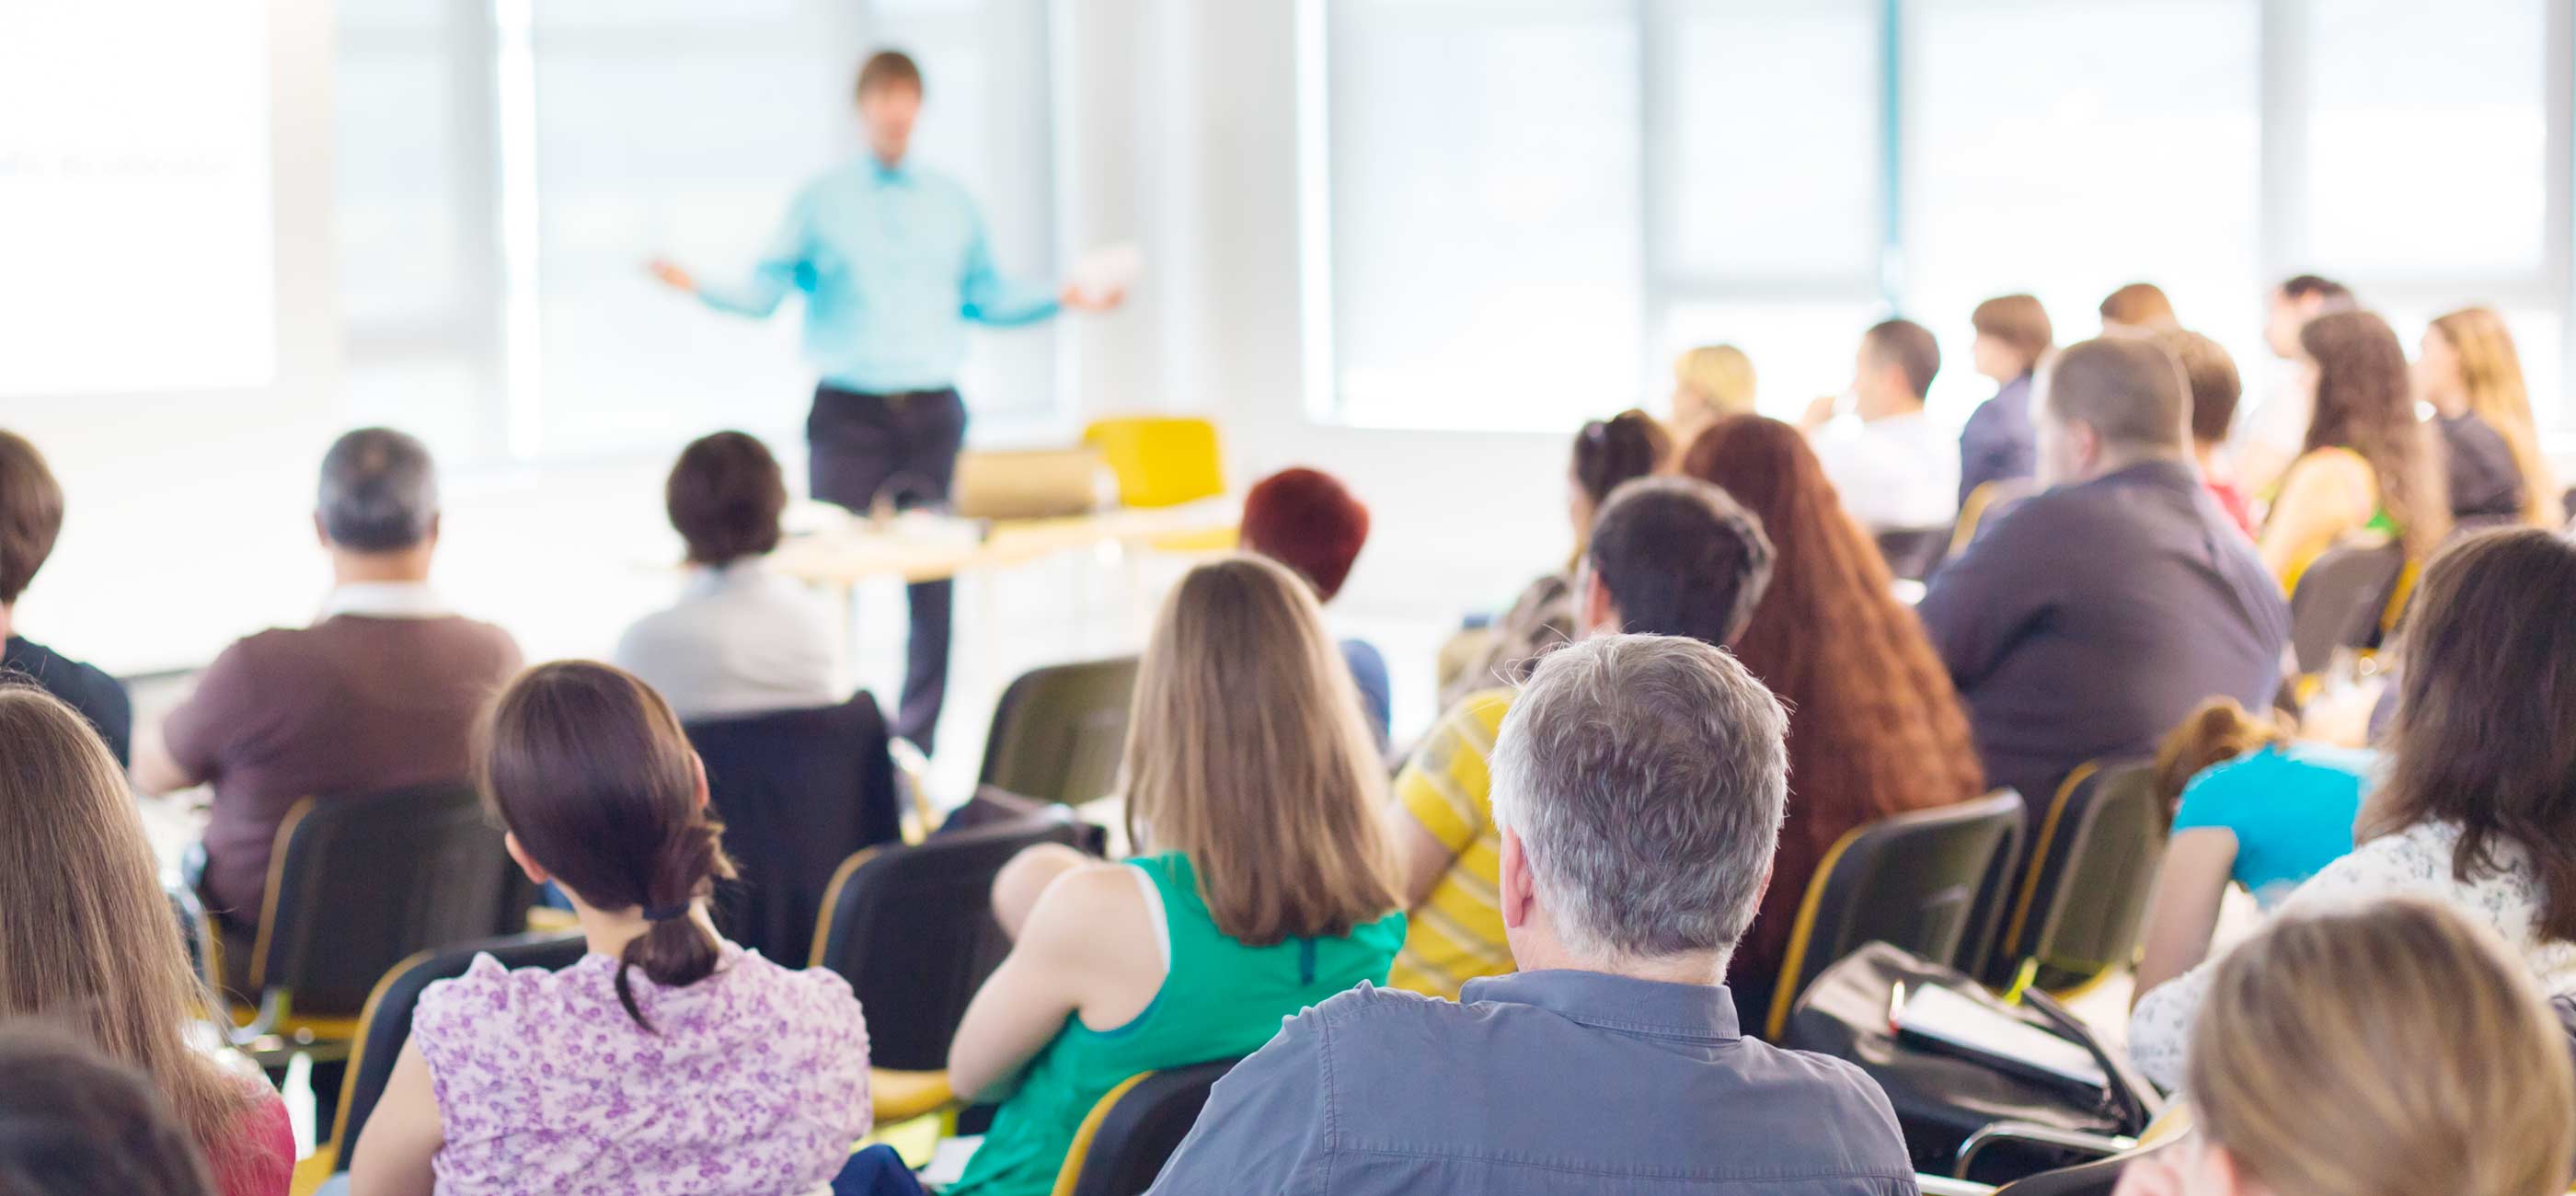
x=1182, y=543
x=904, y=1095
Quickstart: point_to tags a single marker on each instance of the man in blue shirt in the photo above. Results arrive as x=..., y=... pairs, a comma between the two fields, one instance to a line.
x=1640, y=782
x=893, y=264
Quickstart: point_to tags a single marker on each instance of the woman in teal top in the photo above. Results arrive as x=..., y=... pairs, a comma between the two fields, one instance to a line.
x=2267, y=819
x=1253, y=776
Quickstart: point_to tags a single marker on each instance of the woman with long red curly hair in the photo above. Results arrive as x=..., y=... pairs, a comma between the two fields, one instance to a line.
x=1874, y=725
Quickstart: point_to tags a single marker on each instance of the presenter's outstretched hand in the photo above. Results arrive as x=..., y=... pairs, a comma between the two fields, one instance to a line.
x=1074, y=298
x=672, y=276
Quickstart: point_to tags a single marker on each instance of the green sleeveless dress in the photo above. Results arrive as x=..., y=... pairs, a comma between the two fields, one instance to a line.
x=1221, y=999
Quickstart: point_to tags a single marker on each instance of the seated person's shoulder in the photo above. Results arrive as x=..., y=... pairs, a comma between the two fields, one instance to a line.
x=486, y=1001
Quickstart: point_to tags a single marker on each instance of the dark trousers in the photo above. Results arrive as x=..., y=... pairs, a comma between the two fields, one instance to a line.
x=902, y=449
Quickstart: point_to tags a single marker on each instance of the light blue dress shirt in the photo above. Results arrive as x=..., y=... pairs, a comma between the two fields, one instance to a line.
x=893, y=264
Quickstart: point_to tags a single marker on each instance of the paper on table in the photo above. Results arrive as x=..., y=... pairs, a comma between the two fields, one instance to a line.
x=1108, y=269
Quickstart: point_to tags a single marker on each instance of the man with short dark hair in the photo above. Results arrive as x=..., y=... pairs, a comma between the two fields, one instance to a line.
x=380, y=694
x=2087, y=620
x=741, y=640
x=1640, y=782
x=894, y=265
x=2215, y=387
x=1894, y=468
x=31, y=516
x=1667, y=556
x=2275, y=431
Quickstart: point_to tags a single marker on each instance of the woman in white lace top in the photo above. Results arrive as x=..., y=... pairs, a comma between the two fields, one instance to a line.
x=2479, y=808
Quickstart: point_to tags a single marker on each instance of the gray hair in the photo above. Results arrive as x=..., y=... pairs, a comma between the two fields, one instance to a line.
x=1646, y=777
x=379, y=491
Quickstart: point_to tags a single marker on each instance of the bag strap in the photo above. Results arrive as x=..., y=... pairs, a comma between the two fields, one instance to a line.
x=2135, y=1101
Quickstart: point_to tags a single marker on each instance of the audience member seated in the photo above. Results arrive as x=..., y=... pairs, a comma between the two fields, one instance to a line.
x=1641, y=781
x=741, y=640
x=2383, y=1050
x=88, y=942
x=1896, y=469
x=1874, y=726
x=2138, y=309
x=1252, y=781
x=1307, y=520
x=380, y=694
x=2251, y=806
x=2470, y=372
x=2477, y=805
x=1606, y=454
x=2271, y=435
x=1669, y=556
x=2090, y=618
x=2215, y=387
x=2369, y=468
x=2013, y=336
x=667, y=1061
x=31, y=515
x=1710, y=383
x=75, y=1123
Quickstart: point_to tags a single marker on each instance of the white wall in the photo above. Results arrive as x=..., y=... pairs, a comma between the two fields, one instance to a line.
x=1185, y=125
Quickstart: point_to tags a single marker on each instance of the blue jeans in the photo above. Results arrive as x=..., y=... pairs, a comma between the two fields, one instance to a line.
x=876, y=1171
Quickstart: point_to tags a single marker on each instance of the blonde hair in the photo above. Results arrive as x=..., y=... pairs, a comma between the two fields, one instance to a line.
x=2491, y=376
x=87, y=938
x=2443, y=1068
x=1247, y=753
x=1720, y=377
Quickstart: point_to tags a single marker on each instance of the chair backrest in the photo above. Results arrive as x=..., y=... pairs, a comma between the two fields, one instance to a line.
x=2096, y=1178
x=1918, y=880
x=912, y=930
x=2084, y=891
x=1914, y=552
x=1987, y=501
x=798, y=790
x=386, y=1023
x=1059, y=731
x=1128, y=1136
x=2341, y=601
x=1160, y=461
x=357, y=884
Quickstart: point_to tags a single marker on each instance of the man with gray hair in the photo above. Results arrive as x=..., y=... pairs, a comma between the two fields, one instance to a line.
x=380, y=693
x=2087, y=620
x=1640, y=781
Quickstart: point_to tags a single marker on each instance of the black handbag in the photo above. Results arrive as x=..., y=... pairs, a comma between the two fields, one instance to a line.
x=1943, y=1098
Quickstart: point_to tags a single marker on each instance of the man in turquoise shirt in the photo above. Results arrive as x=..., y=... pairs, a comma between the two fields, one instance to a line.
x=893, y=264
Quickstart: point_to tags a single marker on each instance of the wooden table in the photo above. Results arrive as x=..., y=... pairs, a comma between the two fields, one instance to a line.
x=915, y=549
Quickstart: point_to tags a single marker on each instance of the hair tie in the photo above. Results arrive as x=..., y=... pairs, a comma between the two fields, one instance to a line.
x=665, y=913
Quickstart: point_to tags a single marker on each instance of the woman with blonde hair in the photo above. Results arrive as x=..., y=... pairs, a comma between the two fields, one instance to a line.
x=2440, y=1071
x=2370, y=467
x=1253, y=781
x=2470, y=373
x=88, y=939
x=1710, y=383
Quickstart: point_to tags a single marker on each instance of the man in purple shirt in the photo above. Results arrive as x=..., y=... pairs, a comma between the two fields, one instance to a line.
x=1640, y=782
x=2085, y=622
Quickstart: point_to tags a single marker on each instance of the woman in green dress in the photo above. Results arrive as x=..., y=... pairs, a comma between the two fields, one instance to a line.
x=1253, y=781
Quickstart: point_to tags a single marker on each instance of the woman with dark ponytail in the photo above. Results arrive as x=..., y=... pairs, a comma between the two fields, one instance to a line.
x=668, y=1060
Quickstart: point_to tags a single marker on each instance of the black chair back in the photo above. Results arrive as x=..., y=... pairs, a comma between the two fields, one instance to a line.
x=1059, y=731
x=358, y=884
x=1914, y=552
x=912, y=930
x=2341, y=600
x=798, y=790
x=386, y=1024
x=2096, y=1178
x=1129, y=1145
x=1921, y=881
x=2084, y=891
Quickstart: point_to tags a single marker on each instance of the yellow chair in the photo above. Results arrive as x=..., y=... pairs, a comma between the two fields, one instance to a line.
x=1132, y=1131
x=1160, y=461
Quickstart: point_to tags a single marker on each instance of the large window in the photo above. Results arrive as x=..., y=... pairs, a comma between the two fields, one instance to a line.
x=506, y=167
x=1533, y=205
